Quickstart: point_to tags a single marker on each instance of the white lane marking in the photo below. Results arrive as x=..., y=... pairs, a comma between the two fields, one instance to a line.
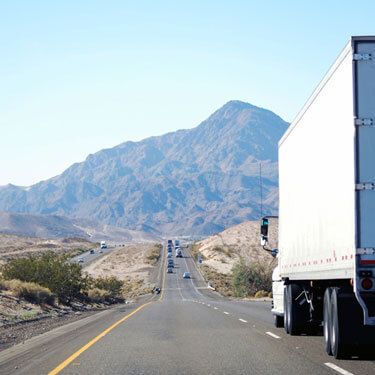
x=215, y=308
x=226, y=313
x=243, y=320
x=273, y=335
x=338, y=369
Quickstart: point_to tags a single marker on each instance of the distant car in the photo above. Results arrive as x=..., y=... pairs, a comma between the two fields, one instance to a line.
x=170, y=265
x=103, y=245
x=92, y=251
x=80, y=260
x=169, y=270
x=157, y=290
x=100, y=251
x=169, y=255
x=186, y=275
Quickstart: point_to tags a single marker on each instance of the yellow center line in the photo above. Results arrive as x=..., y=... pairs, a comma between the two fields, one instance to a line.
x=69, y=360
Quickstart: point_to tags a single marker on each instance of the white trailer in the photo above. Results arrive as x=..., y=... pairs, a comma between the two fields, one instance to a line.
x=326, y=255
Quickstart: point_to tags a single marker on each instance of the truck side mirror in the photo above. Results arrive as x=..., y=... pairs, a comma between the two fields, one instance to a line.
x=264, y=232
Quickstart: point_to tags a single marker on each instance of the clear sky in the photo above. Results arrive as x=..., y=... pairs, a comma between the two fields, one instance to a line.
x=78, y=76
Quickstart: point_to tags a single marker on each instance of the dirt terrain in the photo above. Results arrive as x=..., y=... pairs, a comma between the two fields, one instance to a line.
x=12, y=246
x=133, y=263
x=221, y=251
x=137, y=265
x=21, y=320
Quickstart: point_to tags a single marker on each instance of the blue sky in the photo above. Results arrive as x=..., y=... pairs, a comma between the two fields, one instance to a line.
x=79, y=76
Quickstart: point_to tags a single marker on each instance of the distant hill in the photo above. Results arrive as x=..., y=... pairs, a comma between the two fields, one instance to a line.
x=54, y=226
x=222, y=250
x=240, y=243
x=196, y=181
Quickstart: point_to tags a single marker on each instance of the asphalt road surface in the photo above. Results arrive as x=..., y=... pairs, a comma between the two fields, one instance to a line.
x=187, y=329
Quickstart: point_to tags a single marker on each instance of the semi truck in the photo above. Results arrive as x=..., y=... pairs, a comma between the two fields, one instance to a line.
x=325, y=278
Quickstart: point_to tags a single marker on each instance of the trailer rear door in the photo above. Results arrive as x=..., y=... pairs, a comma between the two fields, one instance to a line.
x=364, y=119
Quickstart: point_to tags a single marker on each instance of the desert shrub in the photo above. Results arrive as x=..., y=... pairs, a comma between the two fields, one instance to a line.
x=261, y=294
x=31, y=292
x=61, y=277
x=225, y=250
x=98, y=295
x=220, y=281
x=247, y=279
x=153, y=254
x=111, y=285
x=134, y=288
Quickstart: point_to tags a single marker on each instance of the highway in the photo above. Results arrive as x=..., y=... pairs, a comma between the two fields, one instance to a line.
x=88, y=257
x=187, y=329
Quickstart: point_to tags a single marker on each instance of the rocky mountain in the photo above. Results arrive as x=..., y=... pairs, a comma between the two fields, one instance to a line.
x=195, y=181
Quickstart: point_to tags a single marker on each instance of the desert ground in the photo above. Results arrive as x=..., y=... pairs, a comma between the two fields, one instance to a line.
x=134, y=264
x=221, y=251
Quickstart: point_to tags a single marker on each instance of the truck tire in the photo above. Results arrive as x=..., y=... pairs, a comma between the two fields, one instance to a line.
x=286, y=313
x=297, y=312
x=339, y=348
x=327, y=321
x=278, y=321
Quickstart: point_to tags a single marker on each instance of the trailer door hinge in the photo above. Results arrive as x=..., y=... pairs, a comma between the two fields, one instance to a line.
x=365, y=186
x=363, y=122
x=366, y=251
x=362, y=56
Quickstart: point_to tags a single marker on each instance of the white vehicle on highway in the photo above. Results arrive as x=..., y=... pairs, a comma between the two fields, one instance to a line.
x=186, y=275
x=326, y=255
x=103, y=245
x=80, y=260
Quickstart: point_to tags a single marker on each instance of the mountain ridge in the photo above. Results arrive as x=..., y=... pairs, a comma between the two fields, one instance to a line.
x=197, y=180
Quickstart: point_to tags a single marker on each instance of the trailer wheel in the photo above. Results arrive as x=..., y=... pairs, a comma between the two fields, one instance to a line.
x=278, y=321
x=327, y=320
x=338, y=346
x=297, y=310
x=286, y=312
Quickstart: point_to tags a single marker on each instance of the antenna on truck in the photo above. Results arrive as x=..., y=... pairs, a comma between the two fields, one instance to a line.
x=261, y=189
